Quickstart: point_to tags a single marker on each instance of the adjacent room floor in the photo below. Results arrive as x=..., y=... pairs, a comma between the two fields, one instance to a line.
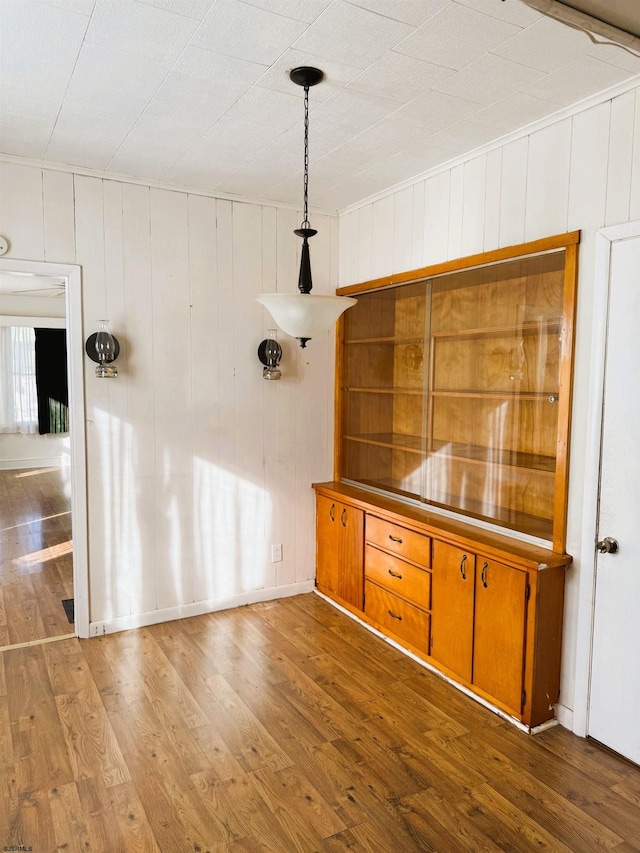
x=36, y=554
x=283, y=726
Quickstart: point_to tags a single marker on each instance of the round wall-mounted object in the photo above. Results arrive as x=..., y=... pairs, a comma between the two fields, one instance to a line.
x=4, y=245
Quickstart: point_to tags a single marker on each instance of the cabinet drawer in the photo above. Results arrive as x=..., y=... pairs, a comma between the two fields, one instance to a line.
x=397, y=576
x=393, y=537
x=396, y=616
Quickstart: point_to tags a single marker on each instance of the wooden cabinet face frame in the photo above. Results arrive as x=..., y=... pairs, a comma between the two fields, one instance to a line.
x=413, y=388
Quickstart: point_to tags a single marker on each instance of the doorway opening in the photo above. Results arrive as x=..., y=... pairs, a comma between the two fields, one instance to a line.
x=43, y=557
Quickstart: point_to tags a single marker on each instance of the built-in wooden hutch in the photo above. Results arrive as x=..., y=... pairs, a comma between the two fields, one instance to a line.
x=445, y=524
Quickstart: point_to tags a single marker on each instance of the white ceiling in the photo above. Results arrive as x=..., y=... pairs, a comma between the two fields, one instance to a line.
x=196, y=92
x=26, y=284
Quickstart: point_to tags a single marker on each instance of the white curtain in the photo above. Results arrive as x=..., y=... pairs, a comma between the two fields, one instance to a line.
x=18, y=395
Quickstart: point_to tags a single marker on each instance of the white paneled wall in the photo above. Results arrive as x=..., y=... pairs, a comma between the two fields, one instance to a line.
x=582, y=172
x=196, y=466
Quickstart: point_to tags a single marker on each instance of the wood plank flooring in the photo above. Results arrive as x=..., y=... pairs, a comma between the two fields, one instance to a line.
x=36, y=559
x=283, y=726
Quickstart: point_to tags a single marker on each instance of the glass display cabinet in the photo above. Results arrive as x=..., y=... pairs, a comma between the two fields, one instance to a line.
x=454, y=390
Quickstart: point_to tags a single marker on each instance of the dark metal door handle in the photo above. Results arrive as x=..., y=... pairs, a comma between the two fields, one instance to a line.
x=395, y=539
x=395, y=575
x=463, y=567
x=393, y=615
x=483, y=575
x=342, y=515
x=331, y=515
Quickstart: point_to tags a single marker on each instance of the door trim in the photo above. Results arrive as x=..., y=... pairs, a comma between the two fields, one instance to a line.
x=75, y=370
x=605, y=237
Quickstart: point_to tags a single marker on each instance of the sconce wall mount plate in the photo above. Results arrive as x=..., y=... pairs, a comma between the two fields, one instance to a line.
x=90, y=348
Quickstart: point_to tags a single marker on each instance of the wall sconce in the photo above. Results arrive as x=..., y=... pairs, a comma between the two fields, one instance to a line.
x=270, y=353
x=103, y=348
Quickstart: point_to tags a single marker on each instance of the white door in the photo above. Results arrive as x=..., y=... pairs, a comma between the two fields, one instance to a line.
x=615, y=667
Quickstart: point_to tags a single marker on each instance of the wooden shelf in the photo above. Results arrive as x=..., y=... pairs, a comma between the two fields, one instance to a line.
x=489, y=456
x=501, y=331
x=418, y=392
x=389, y=485
x=386, y=340
x=394, y=440
x=505, y=517
x=539, y=397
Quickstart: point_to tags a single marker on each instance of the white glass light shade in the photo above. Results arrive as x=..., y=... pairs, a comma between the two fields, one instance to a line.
x=302, y=315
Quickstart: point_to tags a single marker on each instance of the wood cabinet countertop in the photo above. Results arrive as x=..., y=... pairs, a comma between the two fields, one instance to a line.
x=496, y=545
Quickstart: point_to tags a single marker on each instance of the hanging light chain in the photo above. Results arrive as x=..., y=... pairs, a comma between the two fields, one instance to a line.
x=305, y=221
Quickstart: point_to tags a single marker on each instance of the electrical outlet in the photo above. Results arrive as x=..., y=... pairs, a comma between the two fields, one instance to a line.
x=276, y=553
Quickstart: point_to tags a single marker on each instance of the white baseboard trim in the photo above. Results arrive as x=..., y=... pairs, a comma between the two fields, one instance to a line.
x=47, y=462
x=197, y=608
x=564, y=716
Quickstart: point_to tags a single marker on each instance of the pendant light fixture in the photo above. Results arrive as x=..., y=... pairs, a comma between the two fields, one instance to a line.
x=302, y=315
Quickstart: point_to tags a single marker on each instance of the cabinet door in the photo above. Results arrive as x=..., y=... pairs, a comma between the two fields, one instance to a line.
x=452, y=592
x=351, y=555
x=340, y=550
x=500, y=620
x=327, y=544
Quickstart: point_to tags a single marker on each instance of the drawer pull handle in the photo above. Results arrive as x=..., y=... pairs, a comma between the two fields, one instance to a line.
x=342, y=515
x=463, y=567
x=393, y=615
x=483, y=576
x=395, y=575
x=333, y=518
x=395, y=539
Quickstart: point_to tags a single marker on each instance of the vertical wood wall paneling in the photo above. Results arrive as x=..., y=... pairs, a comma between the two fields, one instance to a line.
x=402, y=229
x=319, y=427
x=140, y=385
x=513, y=192
x=365, y=238
x=248, y=493
x=492, y=200
x=205, y=393
x=21, y=214
x=621, y=143
x=90, y=254
x=301, y=415
x=548, y=181
x=456, y=205
x=348, y=264
x=417, y=226
x=473, y=205
x=634, y=204
x=271, y=402
x=59, y=217
x=289, y=395
x=588, y=173
x=225, y=553
x=119, y=432
x=436, y=218
x=382, y=245
x=172, y=386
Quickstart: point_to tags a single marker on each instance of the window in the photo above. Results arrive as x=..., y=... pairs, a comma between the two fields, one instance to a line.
x=18, y=395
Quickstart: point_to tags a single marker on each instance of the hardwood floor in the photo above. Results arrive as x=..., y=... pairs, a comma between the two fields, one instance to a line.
x=283, y=726
x=36, y=560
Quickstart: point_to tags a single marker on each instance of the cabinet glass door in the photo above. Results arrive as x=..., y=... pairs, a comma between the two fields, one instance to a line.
x=453, y=391
x=494, y=390
x=384, y=403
